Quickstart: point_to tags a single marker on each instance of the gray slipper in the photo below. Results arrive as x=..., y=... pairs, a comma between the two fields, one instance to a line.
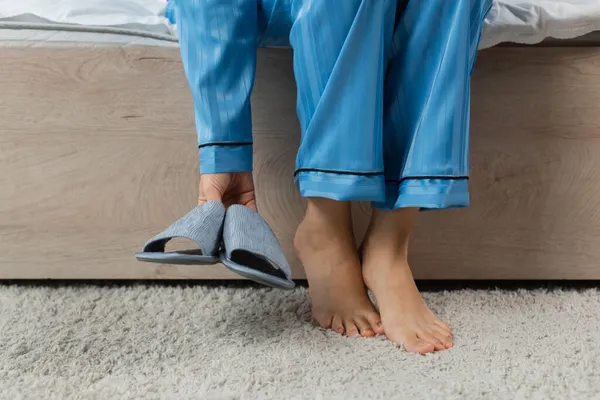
x=252, y=250
x=203, y=225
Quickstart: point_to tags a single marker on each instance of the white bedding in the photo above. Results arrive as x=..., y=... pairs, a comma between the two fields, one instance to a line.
x=136, y=14
x=531, y=21
x=63, y=38
x=85, y=23
x=520, y=21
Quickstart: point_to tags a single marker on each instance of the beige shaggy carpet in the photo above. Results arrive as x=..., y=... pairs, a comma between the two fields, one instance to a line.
x=152, y=342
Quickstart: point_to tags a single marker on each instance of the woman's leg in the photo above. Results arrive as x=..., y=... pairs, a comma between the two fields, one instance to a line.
x=339, y=66
x=407, y=321
x=426, y=129
x=339, y=63
x=325, y=244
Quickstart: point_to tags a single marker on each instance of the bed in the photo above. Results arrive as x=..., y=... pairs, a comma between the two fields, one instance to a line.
x=98, y=152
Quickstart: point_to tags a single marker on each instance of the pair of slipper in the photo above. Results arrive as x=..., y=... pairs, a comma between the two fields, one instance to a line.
x=238, y=237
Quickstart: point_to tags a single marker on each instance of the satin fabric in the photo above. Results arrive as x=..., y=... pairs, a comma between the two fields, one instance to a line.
x=383, y=91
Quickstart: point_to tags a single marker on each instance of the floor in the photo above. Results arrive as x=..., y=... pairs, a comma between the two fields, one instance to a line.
x=152, y=341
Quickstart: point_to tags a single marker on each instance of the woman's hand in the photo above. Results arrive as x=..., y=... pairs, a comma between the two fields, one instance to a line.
x=228, y=188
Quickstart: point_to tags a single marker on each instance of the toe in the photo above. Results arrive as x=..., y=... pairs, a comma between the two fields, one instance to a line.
x=431, y=339
x=337, y=325
x=364, y=327
x=416, y=345
x=375, y=322
x=442, y=325
x=351, y=329
x=444, y=337
x=323, y=321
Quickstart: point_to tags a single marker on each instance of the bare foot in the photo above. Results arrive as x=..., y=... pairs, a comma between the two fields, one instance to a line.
x=407, y=320
x=325, y=245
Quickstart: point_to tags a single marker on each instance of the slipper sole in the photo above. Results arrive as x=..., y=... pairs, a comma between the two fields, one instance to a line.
x=176, y=258
x=258, y=277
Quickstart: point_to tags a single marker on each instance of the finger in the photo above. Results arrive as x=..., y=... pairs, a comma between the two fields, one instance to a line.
x=252, y=205
x=212, y=193
x=210, y=188
x=246, y=199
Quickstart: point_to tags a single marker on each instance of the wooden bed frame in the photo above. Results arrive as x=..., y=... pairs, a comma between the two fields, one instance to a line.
x=98, y=153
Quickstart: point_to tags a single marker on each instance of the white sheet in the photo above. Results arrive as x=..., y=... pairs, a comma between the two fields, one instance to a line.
x=62, y=38
x=84, y=23
x=148, y=14
x=520, y=21
x=532, y=21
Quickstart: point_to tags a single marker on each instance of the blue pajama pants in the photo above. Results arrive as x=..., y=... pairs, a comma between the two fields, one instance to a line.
x=383, y=93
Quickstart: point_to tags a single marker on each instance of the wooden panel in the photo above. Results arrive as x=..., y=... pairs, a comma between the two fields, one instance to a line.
x=98, y=153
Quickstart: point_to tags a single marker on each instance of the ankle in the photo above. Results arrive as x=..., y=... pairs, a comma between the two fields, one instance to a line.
x=309, y=237
x=389, y=258
x=388, y=248
x=325, y=224
x=388, y=236
x=328, y=213
x=385, y=264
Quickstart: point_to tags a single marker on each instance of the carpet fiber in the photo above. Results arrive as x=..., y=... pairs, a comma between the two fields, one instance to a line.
x=228, y=343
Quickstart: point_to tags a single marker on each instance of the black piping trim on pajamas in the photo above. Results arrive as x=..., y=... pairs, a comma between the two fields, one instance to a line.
x=327, y=171
x=226, y=144
x=414, y=178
